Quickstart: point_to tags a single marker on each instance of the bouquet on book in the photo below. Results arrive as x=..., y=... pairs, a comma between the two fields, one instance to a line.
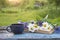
x=40, y=26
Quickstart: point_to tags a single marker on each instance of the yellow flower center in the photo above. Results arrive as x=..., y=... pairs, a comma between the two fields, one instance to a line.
x=35, y=26
x=44, y=25
x=48, y=27
x=31, y=28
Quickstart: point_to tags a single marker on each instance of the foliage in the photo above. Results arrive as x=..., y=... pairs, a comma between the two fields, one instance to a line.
x=27, y=12
x=56, y=2
x=2, y=3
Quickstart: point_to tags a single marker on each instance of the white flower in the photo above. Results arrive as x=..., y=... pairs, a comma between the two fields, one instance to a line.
x=46, y=26
x=30, y=27
x=42, y=28
x=49, y=27
x=33, y=27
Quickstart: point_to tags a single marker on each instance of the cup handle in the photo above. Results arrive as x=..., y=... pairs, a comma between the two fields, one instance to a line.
x=8, y=29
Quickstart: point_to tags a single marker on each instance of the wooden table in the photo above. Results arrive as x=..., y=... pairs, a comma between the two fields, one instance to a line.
x=10, y=36
x=6, y=35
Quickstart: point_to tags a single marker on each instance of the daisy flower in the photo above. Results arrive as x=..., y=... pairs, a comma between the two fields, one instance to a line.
x=46, y=26
x=33, y=27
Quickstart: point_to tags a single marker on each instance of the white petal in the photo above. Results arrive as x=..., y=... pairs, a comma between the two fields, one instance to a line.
x=33, y=31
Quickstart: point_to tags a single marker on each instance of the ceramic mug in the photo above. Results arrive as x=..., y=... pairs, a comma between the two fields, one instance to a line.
x=16, y=28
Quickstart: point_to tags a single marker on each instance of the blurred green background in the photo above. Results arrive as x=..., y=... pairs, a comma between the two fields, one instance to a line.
x=28, y=10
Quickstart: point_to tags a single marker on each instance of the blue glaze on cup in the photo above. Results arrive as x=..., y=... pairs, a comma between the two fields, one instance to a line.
x=16, y=28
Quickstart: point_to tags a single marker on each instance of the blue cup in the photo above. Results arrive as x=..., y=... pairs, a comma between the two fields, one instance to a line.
x=57, y=30
x=16, y=28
